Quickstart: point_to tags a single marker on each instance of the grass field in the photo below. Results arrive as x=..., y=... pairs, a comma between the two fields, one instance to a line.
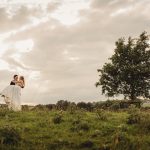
x=75, y=130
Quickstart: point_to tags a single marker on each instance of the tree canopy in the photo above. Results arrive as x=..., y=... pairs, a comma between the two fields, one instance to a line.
x=128, y=71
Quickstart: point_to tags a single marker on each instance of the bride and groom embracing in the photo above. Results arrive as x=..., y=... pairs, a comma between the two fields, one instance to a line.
x=12, y=93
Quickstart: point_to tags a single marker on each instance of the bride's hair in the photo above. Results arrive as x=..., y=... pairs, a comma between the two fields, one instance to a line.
x=22, y=78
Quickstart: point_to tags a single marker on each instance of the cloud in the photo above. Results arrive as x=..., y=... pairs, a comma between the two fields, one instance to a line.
x=63, y=61
x=15, y=16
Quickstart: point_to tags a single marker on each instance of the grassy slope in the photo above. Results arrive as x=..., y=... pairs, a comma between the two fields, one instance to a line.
x=80, y=130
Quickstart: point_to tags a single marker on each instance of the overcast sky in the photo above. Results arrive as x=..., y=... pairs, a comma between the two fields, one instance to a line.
x=58, y=45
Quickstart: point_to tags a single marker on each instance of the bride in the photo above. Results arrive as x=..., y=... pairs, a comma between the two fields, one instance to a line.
x=12, y=93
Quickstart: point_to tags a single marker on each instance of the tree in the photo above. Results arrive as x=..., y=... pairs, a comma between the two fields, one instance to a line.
x=82, y=105
x=62, y=104
x=128, y=71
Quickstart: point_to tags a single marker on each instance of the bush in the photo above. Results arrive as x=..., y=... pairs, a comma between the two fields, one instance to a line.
x=9, y=135
x=4, y=112
x=50, y=106
x=83, y=126
x=72, y=108
x=76, y=121
x=101, y=114
x=134, y=115
x=121, y=141
x=115, y=106
x=140, y=118
x=145, y=122
x=40, y=108
x=62, y=105
x=86, y=144
x=59, y=144
x=25, y=108
x=96, y=133
x=133, y=119
x=80, y=126
x=57, y=119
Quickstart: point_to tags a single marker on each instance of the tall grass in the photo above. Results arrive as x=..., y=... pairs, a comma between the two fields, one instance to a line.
x=75, y=129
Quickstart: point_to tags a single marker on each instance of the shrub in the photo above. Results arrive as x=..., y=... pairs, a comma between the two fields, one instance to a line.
x=80, y=126
x=83, y=126
x=62, y=105
x=96, y=133
x=86, y=144
x=57, y=119
x=59, y=144
x=9, y=135
x=42, y=124
x=133, y=119
x=134, y=115
x=75, y=122
x=3, y=112
x=40, y=107
x=122, y=141
x=115, y=106
x=137, y=117
x=145, y=122
x=101, y=114
x=25, y=108
x=50, y=106
x=105, y=146
x=72, y=108
x=123, y=127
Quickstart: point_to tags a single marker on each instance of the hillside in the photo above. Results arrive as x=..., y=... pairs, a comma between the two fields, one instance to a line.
x=75, y=130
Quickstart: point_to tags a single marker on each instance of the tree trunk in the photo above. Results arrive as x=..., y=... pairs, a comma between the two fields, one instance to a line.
x=132, y=96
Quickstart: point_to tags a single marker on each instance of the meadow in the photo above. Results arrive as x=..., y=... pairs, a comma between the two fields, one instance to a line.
x=75, y=129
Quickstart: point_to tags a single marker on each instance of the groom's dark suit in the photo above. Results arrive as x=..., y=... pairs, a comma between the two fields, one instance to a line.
x=12, y=83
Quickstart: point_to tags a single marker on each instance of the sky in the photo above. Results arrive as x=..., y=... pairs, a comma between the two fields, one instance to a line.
x=58, y=45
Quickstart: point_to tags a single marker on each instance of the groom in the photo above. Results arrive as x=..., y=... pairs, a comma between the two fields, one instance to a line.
x=13, y=82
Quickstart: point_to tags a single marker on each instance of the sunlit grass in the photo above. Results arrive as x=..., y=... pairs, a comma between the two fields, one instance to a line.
x=78, y=130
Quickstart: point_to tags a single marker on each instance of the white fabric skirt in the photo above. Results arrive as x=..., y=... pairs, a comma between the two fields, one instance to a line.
x=12, y=97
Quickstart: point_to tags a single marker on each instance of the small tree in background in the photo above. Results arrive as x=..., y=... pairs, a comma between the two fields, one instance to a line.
x=128, y=72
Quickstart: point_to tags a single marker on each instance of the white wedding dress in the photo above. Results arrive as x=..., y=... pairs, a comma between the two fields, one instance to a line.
x=12, y=97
